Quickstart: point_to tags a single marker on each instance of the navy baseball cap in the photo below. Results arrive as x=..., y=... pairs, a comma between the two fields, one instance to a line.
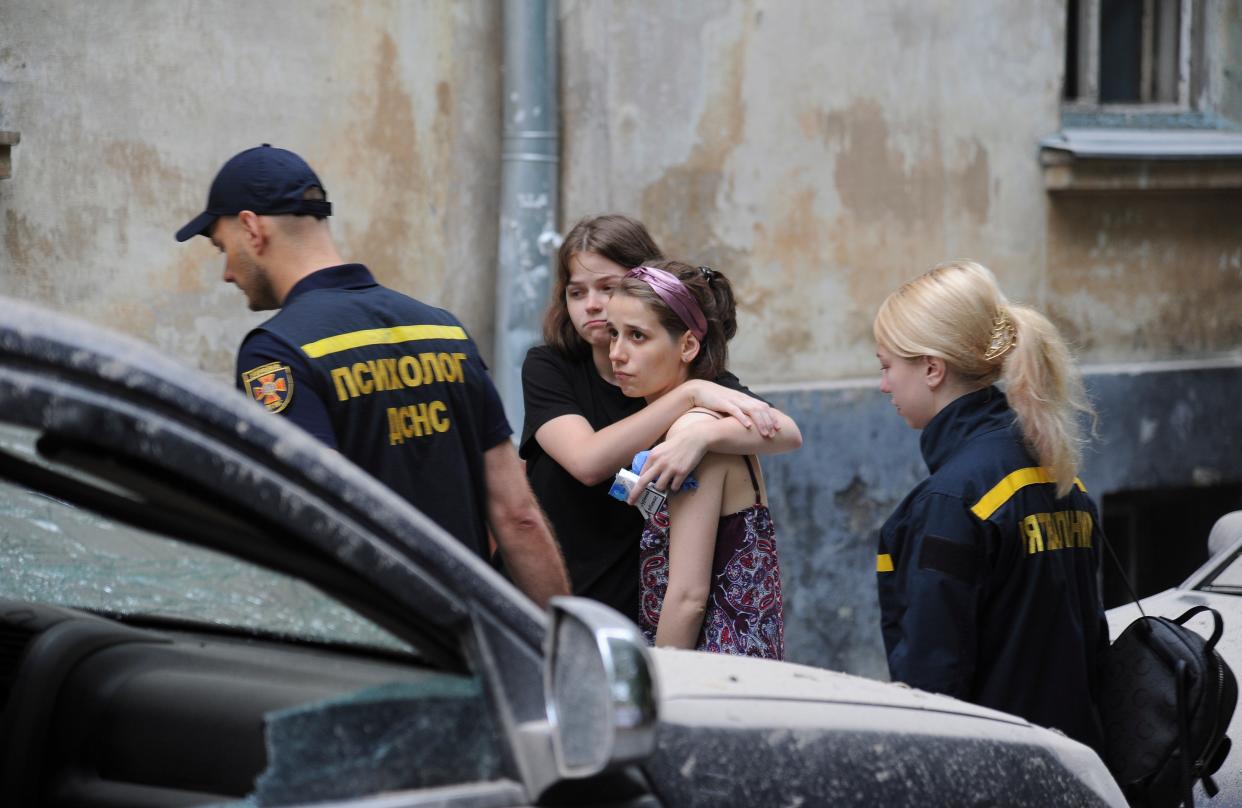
x=266, y=180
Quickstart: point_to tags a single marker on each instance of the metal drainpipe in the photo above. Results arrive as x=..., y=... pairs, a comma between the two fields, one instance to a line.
x=528, y=192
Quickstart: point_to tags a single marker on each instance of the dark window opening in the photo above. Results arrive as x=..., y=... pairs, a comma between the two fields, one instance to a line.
x=1160, y=536
x=1121, y=47
x=1071, y=52
x=1139, y=51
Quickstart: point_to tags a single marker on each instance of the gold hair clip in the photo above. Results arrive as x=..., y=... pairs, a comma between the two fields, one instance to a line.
x=1002, y=339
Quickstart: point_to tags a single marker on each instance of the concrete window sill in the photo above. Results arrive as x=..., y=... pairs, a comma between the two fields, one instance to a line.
x=1090, y=160
x=7, y=141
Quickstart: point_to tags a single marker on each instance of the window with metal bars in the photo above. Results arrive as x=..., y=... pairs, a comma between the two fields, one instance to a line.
x=1134, y=55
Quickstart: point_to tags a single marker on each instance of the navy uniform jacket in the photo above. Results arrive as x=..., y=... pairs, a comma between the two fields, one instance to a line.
x=395, y=385
x=987, y=581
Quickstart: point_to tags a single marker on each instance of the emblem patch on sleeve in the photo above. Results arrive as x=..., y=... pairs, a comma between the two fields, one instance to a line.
x=271, y=385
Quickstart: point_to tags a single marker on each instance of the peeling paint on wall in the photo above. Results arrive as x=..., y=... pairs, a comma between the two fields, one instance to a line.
x=111, y=162
x=1147, y=276
x=877, y=159
x=685, y=196
x=389, y=136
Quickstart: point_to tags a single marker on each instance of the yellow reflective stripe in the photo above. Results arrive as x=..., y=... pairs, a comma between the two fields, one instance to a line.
x=1006, y=488
x=883, y=563
x=381, y=336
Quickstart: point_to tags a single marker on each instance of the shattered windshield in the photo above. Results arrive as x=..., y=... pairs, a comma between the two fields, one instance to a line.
x=58, y=554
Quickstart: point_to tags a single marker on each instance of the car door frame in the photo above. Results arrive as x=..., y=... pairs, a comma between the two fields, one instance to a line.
x=119, y=399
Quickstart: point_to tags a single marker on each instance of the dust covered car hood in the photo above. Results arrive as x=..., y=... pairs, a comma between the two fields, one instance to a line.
x=691, y=675
x=879, y=743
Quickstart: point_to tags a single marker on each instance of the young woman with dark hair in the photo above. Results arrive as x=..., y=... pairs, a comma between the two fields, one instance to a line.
x=580, y=428
x=710, y=576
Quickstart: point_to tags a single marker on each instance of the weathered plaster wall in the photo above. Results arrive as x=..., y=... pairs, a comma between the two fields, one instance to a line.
x=127, y=109
x=816, y=152
x=1144, y=276
x=821, y=152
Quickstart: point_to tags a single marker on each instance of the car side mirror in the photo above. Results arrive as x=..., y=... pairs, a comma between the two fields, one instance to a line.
x=600, y=689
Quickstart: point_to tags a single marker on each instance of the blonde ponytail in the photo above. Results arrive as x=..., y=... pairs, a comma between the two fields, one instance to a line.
x=1045, y=390
x=957, y=312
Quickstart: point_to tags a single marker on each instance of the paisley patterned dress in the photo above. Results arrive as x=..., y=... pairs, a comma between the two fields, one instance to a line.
x=744, y=608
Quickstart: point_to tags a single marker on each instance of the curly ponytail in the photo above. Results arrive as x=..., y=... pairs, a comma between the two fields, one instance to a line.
x=957, y=312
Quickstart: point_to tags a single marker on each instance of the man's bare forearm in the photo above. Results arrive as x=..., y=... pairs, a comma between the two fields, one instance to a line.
x=532, y=556
x=523, y=536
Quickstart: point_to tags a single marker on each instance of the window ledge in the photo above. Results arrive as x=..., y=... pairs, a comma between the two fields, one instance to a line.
x=1077, y=160
x=7, y=141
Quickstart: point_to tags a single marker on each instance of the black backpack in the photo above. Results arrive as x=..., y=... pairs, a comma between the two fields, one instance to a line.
x=1166, y=704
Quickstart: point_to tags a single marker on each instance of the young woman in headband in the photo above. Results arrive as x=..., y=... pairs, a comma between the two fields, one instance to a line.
x=580, y=428
x=710, y=576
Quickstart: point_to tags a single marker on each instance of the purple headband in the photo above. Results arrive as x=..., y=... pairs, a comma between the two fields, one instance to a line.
x=675, y=295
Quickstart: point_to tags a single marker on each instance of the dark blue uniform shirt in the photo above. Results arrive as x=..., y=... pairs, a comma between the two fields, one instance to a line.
x=987, y=581
x=395, y=385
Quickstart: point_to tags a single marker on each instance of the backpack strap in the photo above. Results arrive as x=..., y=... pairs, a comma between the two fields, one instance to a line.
x=1218, y=758
x=1218, y=624
x=1125, y=579
x=1209, y=785
x=1183, y=731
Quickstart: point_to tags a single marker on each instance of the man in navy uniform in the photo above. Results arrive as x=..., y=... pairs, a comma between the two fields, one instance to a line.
x=395, y=385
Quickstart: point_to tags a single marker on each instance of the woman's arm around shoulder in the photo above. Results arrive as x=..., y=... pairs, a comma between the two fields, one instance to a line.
x=677, y=456
x=594, y=456
x=556, y=419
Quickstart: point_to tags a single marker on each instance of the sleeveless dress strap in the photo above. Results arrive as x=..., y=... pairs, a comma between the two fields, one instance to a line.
x=754, y=483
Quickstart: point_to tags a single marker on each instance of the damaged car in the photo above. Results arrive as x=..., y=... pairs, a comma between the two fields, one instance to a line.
x=202, y=605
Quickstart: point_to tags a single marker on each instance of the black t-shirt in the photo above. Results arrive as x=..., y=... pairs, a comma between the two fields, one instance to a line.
x=599, y=535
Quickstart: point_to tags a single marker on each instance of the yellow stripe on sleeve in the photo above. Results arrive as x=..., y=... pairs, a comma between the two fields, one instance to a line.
x=381, y=336
x=1013, y=482
x=883, y=563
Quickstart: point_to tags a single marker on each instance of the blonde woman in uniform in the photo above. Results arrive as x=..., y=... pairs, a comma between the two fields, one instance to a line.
x=987, y=571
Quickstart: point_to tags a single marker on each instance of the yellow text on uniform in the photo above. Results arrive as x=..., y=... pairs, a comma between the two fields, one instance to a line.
x=416, y=420
x=1060, y=530
x=378, y=375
